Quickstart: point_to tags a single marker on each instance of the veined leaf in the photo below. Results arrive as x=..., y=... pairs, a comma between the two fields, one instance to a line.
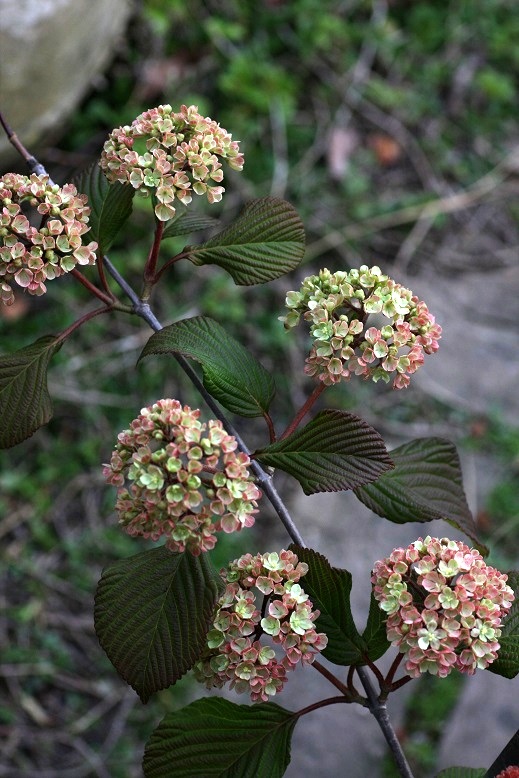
x=329, y=589
x=507, y=662
x=231, y=374
x=335, y=451
x=215, y=738
x=152, y=613
x=426, y=484
x=110, y=205
x=266, y=241
x=25, y=403
x=375, y=635
x=186, y=223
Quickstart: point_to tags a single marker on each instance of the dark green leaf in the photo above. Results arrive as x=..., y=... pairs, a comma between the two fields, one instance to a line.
x=462, y=772
x=329, y=590
x=231, y=374
x=215, y=738
x=375, y=633
x=25, y=404
x=335, y=451
x=507, y=662
x=426, y=484
x=152, y=613
x=187, y=223
x=110, y=205
x=266, y=241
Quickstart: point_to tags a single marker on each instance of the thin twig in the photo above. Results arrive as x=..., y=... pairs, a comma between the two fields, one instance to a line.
x=379, y=711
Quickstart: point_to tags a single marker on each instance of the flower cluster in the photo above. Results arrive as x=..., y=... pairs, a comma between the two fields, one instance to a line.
x=178, y=156
x=237, y=653
x=509, y=772
x=31, y=255
x=337, y=305
x=186, y=479
x=444, y=606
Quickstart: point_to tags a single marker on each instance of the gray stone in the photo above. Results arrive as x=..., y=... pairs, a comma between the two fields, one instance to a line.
x=477, y=365
x=51, y=52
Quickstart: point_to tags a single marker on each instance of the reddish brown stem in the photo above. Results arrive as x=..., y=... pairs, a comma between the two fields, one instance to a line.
x=375, y=670
x=86, y=317
x=392, y=670
x=270, y=425
x=169, y=263
x=401, y=682
x=102, y=277
x=108, y=300
x=320, y=704
x=337, y=683
x=150, y=268
x=319, y=389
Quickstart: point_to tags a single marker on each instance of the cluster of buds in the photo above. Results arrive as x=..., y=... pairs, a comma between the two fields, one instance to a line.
x=237, y=653
x=444, y=606
x=179, y=156
x=31, y=255
x=337, y=305
x=180, y=478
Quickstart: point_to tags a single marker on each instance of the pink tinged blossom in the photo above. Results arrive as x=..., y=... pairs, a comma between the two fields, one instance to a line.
x=455, y=625
x=331, y=304
x=251, y=664
x=182, y=157
x=159, y=465
x=53, y=249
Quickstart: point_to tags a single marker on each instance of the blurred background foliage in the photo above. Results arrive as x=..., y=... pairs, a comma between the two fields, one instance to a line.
x=359, y=113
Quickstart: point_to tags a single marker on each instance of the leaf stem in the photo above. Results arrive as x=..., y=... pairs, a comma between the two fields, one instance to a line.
x=270, y=425
x=169, y=263
x=392, y=670
x=150, y=267
x=319, y=389
x=352, y=695
x=320, y=704
x=108, y=299
x=86, y=317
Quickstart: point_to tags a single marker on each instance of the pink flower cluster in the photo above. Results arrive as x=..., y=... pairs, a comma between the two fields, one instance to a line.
x=337, y=305
x=509, y=772
x=237, y=653
x=178, y=156
x=31, y=255
x=444, y=606
x=187, y=480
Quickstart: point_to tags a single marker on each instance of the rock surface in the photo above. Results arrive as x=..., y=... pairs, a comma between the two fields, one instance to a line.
x=51, y=52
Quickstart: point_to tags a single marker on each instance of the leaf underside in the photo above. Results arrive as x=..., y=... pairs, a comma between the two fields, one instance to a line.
x=333, y=452
x=215, y=738
x=507, y=662
x=110, y=205
x=25, y=403
x=329, y=590
x=187, y=223
x=266, y=241
x=426, y=484
x=152, y=613
x=230, y=373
